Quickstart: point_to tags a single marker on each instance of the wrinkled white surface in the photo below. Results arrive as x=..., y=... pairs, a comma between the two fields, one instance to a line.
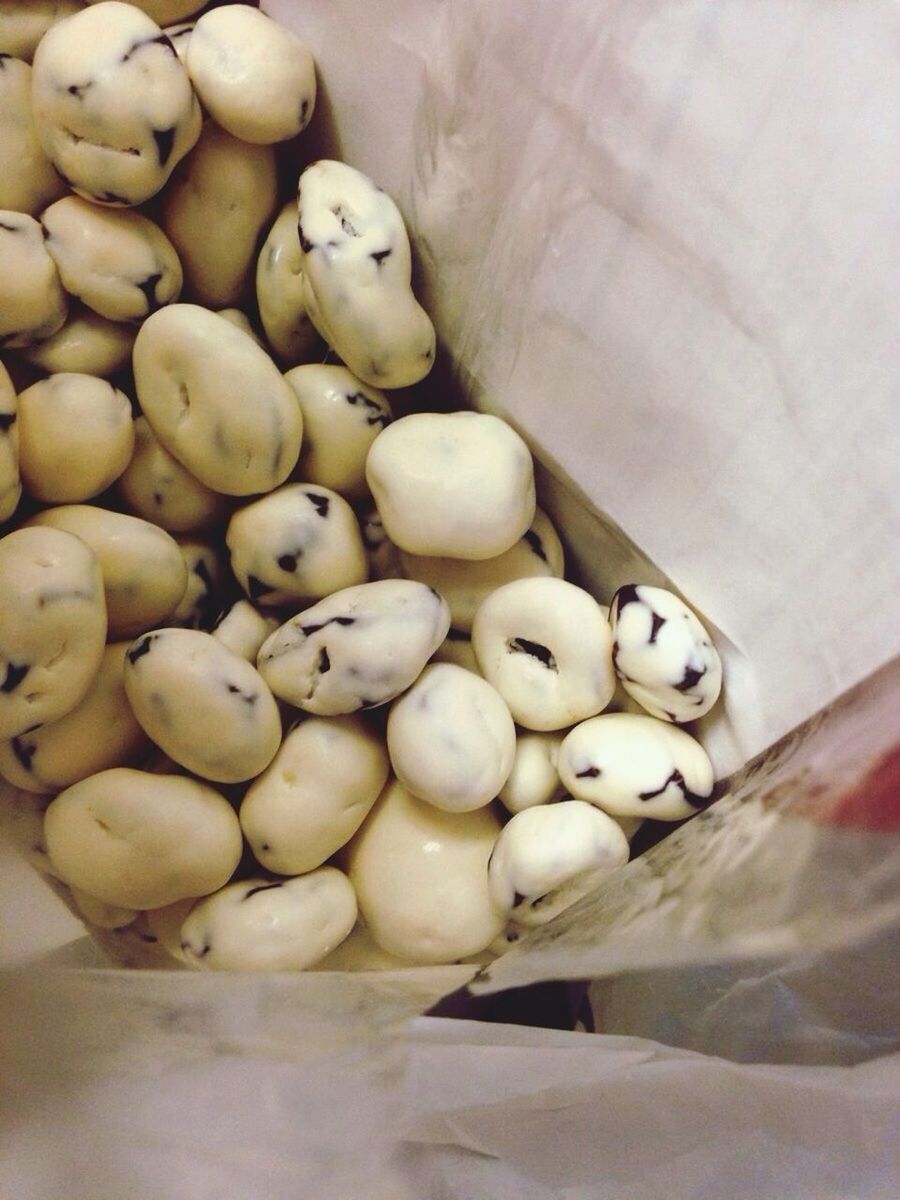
x=692, y=225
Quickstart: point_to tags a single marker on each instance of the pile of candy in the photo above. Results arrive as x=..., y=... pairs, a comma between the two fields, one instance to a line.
x=301, y=684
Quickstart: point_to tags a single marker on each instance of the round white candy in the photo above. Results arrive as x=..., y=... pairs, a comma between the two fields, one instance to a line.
x=158, y=488
x=214, y=211
x=255, y=78
x=117, y=262
x=142, y=841
x=421, y=878
x=27, y=180
x=10, y=483
x=663, y=655
x=208, y=709
x=464, y=584
x=99, y=733
x=32, y=301
x=199, y=604
x=261, y=925
x=113, y=106
x=279, y=290
x=216, y=401
x=534, y=778
x=297, y=544
x=546, y=647
x=143, y=571
x=315, y=794
x=243, y=630
x=357, y=269
x=358, y=648
x=636, y=766
x=341, y=419
x=546, y=858
x=451, y=739
x=52, y=627
x=76, y=437
x=86, y=345
x=453, y=485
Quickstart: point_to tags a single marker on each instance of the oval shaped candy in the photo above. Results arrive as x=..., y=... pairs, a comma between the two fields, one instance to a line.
x=243, y=630
x=144, y=576
x=113, y=106
x=158, y=488
x=216, y=401
x=636, y=766
x=315, y=794
x=208, y=709
x=357, y=648
x=27, y=180
x=52, y=627
x=297, y=544
x=87, y=344
x=33, y=304
x=117, y=262
x=137, y=840
x=452, y=485
x=451, y=739
x=279, y=290
x=22, y=25
x=421, y=878
x=267, y=925
x=534, y=778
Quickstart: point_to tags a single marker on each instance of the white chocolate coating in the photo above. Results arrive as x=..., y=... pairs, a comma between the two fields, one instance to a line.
x=243, y=630
x=216, y=401
x=546, y=858
x=421, y=878
x=180, y=37
x=546, y=647
x=214, y=211
x=158, y=488
x=32, y=301
x=241, y=321
x=99, y=733
x=104, y=916
x=341, y=419
x=76, y=437
x=10, y=483
x=315, y=794
x=163, y=11
x=452, y=485
x=144, y=576
x=360, y=952
x=199, y=604
x=357, y=648
x=456, y=648
x=86, y=345
x=464, y=584
x=116, y=261
x=383, y=555
x=663, y=655
x=208, y=709
x=22, y=25
x=357, y=269
x=113, y=106
x=27, y=180
x=534, y=778
x=451, y=739
x=266, y=925
x=636, y=766
x=299, y=543
x=165, y=923
x=254, y=77
x=52, y=627
x=279, y=291
x=142, y=841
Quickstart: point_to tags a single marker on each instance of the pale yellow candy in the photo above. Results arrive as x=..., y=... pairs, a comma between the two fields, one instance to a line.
x=360, y=952
x=76, y=437
x=279, y=290
x=104, y=916
x=243, y=630
x=144, y=575
x=52, y=627
x=32, y=301
x=240, y=321
x=180, y=36
x=24, y=22
x=142, y=841
x=87, y=344
x=27, y=180
x=164, y=11
x=99, y=733
x=214, y=211
x=158, y=488
x=10, y=483
x=203, y=565
x=315, y=794
x=421, y=878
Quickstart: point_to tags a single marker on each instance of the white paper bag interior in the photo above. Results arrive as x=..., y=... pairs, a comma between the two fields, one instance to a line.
x=658, y=238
